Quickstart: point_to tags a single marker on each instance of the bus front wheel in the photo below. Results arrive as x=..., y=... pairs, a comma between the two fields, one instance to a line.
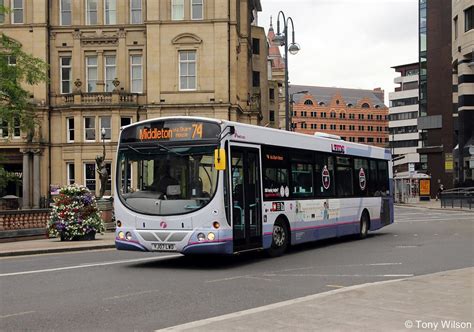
x=280, y=239
x=364, y=225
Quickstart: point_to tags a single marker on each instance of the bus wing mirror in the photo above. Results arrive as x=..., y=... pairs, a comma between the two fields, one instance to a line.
x=219, y=159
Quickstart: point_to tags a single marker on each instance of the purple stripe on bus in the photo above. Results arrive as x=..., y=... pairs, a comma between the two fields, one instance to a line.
x=130, y=243
x=324, y=226
x=217, y=241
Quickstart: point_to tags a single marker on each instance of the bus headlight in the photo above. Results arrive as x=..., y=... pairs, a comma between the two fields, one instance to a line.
x=211, y=236
x=128, y=235
x=119, y=223
x=121, y=235
x=201, y=237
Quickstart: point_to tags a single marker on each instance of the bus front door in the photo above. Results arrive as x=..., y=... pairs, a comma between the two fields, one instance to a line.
x=246, y=198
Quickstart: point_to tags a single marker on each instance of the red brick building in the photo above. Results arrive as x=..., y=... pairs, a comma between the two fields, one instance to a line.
x=353, y=114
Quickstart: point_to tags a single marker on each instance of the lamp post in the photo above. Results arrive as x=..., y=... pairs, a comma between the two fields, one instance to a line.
x=282, y=38
x=292, y=102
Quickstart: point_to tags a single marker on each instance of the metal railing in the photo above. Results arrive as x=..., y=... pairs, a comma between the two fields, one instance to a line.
x=458, y=198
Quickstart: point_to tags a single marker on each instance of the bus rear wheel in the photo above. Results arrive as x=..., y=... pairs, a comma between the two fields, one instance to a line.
x=280, y=239
x=364, y=225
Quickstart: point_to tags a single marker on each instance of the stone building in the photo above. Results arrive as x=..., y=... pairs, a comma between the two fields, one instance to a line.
x=463, y=92
x=353, y=114
x=115, y=62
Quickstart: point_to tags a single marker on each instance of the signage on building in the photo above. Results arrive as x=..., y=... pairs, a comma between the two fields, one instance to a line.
x=448, y=162
x=54, y=189
x=425, y=187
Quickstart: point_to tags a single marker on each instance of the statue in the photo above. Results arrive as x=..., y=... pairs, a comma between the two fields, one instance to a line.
x=103, y=174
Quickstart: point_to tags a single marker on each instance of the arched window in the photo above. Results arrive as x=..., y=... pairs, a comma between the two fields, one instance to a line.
x=321, y=103
x=350, y=105
x=377, y=106
x=308, y=102
x=337, y=102
x=333, y=115
x=365, y=105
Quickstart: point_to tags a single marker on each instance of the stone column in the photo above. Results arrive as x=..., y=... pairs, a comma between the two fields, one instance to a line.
x=36, y=179
x=26, y=179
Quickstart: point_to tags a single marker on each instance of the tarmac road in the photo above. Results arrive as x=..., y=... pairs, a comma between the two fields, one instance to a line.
x=111, y=290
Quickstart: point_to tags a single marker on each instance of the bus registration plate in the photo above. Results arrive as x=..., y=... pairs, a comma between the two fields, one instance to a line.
x=163, y=246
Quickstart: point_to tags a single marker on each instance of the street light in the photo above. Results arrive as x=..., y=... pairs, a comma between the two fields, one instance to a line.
x=282, y=39
x=292, y=102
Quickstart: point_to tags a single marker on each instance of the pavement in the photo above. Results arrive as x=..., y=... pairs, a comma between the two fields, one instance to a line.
x=55, y=245
x=433, y=204
x=439, y=301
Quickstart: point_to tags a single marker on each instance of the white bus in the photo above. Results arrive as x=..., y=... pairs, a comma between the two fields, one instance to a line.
x=196, y=185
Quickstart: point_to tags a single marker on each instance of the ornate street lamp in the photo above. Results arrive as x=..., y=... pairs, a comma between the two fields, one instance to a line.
x=282, y=39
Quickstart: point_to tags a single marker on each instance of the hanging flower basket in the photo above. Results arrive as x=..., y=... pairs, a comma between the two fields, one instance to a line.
x=75, y=215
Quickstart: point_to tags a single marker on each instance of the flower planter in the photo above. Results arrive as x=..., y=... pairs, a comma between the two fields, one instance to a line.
x=74, y=216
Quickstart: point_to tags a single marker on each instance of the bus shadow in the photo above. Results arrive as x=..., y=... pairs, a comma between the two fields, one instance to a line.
x=331, y=242
x=216, y=262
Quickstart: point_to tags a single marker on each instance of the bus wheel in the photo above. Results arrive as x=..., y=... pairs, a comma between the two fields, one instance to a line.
x=280, y=238
x=364, y=225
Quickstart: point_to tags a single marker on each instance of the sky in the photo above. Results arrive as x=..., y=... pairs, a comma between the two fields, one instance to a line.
x=348, y=43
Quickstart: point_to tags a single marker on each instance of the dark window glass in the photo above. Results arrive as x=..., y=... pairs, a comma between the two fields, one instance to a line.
x=302, y=175
x=469, y=19
x=256, y=78
x=256, y=46
x=275, y=174
x=382, y=176
x=272, y=116
x=372, y=178
x=344, y=177
x=324, y=176
x=360, y=176
x=125, y=121
x=272, y=94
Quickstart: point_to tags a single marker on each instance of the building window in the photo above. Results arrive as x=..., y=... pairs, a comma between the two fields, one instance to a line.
x=177, y=10
x=361, y=139
x=70, y=173
x=105, y=124
x=308, y=102
x=91, y=12
x=110, y=72
x=65, y=73
x=370, y=139
x=17, y=11
x=187, y=70
x=333, y=115
x=469, y=19
x=108, y=184
x=89, y=126
x=136, y=74
x=125, y=121
x=255, y=46
x=256, y=78
x=197, y=9
x=66, y=12
x=272, y=116
x=365, y=105
x=8, y=128
x=91, y=73
x=2, y=14
x=110, y=11
x=136, y=11
x=89, y=176
x=70, y=129
x=272, y=94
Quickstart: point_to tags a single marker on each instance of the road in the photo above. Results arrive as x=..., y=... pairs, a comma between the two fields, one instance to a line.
x=111, y=290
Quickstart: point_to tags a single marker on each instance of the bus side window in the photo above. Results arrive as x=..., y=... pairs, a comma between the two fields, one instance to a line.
x=360, y=177
x=383, y=177
x=372, y=181
x=344, y=181
x=324, y=175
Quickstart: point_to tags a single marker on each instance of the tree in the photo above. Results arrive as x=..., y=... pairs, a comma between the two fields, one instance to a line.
x=18, y=68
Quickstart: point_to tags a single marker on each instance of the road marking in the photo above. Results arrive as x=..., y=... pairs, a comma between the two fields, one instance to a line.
x=17, y=314
x=200, y=323
x=403, y=247
x=88, y=265
x=343, y=275
x=335, y=286
x=131, y=294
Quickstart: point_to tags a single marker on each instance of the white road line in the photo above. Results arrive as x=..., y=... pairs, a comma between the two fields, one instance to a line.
x=88, y=265
x=17, y=314
x=343, y=275
x=131, y=294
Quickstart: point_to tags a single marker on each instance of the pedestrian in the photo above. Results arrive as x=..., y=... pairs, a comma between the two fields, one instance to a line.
x=440, y=190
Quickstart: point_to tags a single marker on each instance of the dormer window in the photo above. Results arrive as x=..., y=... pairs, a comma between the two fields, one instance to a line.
x=321, y=103
x=365, y=105
x=308, y=102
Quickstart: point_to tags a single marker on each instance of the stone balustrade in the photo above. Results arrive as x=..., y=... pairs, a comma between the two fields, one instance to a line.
x=99, y=98
x=24, y=219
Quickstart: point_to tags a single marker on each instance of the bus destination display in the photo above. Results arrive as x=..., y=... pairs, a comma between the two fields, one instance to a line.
x=171, y=131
